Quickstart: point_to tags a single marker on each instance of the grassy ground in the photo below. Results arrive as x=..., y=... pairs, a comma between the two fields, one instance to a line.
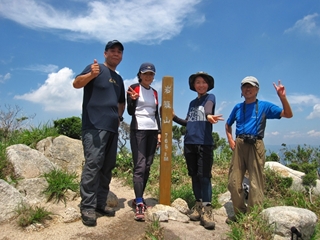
x=250, y=226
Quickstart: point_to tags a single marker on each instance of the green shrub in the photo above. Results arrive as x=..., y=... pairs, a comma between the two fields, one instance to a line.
x=275, y=185
x=58, y=183
x=70, y=127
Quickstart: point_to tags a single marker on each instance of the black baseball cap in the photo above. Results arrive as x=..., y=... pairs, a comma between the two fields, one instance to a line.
x=110, y=44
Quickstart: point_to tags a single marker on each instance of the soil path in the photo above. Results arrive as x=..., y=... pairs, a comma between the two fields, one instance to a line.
x=120, y=227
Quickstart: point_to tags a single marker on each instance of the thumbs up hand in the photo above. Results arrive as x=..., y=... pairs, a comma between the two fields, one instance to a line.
x=95, y=68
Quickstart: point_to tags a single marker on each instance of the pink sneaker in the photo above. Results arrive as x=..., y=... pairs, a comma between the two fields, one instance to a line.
x=139, y=215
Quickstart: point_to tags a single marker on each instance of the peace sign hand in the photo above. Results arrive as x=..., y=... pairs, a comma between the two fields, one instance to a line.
x=133, y=94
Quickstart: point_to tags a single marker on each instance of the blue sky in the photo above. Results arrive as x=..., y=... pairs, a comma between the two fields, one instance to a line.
x=45, y=44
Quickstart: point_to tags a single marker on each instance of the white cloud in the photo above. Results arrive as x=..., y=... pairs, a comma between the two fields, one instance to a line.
x=306, y=100
x=315, y=113
x=5, y=77
x=57, y=93
x=221, y=106
x=42, y=68
x=148, y=21
x=313, y=133
x=275, y=133
x=303, y=99
x=307, y=25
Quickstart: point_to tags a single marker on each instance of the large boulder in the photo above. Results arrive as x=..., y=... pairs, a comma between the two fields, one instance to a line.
x=32, y=189
x=65, y=152
x=10, y=198
x=295, y=175
x=27, y=162
x=284, y=218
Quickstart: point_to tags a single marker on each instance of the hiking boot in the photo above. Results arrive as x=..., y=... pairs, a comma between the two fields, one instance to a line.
x=139, y=215
x=207, y=219
x=196, y=212
x=106, y=211
x=88, y=217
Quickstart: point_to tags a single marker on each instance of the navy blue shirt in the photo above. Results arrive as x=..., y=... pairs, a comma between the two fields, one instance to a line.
x=199, y=129
x=100, y=100
x=251, y=118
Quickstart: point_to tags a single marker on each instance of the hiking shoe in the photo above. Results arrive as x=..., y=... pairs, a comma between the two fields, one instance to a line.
x=139, y=215
x=207, y=219
x=134, y=204
x=106, y=211
x=88, y=217
x=196, y=212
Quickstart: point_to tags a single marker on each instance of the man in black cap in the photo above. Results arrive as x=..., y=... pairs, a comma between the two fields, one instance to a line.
x=102, y=109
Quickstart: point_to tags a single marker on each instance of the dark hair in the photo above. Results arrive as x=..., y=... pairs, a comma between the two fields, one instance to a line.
x=138, y=75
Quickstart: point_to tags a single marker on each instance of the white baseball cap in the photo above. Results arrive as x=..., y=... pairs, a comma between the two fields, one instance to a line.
x=251, y=80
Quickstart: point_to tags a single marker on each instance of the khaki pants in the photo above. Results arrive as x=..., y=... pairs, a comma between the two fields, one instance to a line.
x=249, y=157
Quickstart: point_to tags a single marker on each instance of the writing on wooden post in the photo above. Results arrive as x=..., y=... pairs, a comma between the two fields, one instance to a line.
x=166, y=140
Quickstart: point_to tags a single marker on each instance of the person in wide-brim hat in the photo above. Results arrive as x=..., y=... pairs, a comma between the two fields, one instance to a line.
x=198, y=146
x=208, y=78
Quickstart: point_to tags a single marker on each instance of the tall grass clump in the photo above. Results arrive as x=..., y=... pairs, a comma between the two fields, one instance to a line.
x=33, y=135
x=28, y=215
x=58, y=183
x=251, y=226
x=154, y=230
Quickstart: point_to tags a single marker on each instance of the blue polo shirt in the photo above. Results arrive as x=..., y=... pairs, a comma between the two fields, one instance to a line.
x=252, y=118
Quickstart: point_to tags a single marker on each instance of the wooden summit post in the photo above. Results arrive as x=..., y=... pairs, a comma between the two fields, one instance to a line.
x=166, y=140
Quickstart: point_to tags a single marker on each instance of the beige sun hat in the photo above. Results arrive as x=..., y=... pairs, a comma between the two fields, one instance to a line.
x=251, y=80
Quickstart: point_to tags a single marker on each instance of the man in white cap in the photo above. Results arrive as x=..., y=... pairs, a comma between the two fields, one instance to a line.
x=248, y=147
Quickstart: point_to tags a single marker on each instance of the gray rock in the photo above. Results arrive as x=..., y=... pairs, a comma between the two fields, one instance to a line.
x=27, y=162
x=295, y=175
x=10, y=198
x=181, y=205
x=65, y=152
x=283, y=218
x=71, y=215
x=112, y=200
x=165, y=213
x=33, y=189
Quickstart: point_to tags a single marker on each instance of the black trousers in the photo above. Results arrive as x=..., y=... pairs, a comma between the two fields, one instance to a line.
x=143, y=146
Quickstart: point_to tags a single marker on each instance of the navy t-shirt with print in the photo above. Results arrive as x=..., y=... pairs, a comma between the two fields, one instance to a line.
x=100, y=100
x=199, y=129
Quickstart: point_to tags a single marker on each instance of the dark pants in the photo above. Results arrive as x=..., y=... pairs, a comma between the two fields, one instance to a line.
x=143, y=146
x=100, y=151
x=199, y=160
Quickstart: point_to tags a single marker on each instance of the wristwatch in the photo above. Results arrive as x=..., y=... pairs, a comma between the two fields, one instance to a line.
x=120, y=118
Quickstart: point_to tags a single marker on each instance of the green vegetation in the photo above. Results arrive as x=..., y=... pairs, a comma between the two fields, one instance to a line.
x=28, y=215
x=70, y=127
x=250, y=226
x=154, y=231
x=277, y=191
x=58, y=183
